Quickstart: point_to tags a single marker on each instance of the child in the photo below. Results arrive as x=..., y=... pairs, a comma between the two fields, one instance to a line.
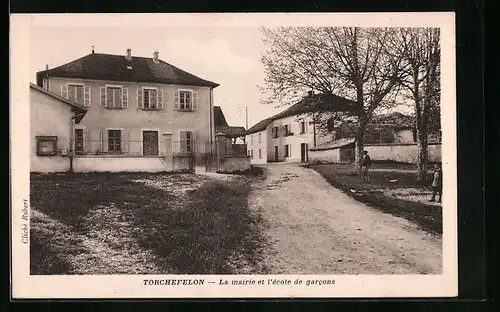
x=437, y=183
x=365, y=165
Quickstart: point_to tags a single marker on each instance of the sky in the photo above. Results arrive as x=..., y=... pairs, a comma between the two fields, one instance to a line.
x=229, y=56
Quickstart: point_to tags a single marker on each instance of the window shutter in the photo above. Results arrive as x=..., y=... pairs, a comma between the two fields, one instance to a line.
x=64, y=91
x=86, y=96
x=103, y=96
x=160, y=99
x=195, y=100
x=176, y=100
x=125, y=98
x=139, y=97
x=125, y=142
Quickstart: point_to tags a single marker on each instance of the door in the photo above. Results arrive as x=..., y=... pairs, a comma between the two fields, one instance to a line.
x=78, y=141
x=276, y=153
x=303, y=152
x=150, y=143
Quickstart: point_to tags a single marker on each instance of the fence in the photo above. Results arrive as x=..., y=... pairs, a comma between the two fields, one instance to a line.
x=117, y=148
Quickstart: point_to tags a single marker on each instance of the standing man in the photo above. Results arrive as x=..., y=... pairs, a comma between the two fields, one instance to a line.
x=437, y=183
x=365, y=165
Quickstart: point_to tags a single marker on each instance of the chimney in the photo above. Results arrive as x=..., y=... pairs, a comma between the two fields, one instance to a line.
x=155, y=57
x=129, y=54
x=310, y=93
x=46, y=66
x=93, y=51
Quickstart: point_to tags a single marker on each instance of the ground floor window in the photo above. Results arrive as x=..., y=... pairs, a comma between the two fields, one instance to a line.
x=260, y=153
x=114, y=141
x=150, y=143
x=288, y=150
x=186, y=142
x=79, y=141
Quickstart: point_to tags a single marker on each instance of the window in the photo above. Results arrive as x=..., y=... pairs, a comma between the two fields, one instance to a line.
x=276, y=132
x=303, y=128
x=251, y=139
x=288, y=150
x=260, y=153
x=45, y=84
x=114, y=141
x=260, y=137
x=78, y=93
x=113, y=97
x=46, y=145
x=287, y=130
x=79, y=141
x=150, y=99
x=186, y=143
x=150, y=143
x=185, y=100
x=250, y=153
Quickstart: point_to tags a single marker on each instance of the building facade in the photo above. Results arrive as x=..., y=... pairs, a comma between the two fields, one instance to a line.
x=288, y=135
x=131, y=102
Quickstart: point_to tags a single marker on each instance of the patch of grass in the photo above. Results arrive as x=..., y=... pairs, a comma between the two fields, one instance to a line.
x=204, y=237
x=345, y=178
x=205, y=230
x=43, y=258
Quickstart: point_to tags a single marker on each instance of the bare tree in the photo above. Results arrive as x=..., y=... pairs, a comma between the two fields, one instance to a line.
x=421, y=52
x=348, y=61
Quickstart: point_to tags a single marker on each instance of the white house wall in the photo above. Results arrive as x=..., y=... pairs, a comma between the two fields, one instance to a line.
x=49, y=117
x=253, y=146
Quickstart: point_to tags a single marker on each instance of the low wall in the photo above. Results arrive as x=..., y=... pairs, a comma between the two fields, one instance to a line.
x=121, y=164
x=49, y=164
x=405, y=153
x=235, y=164
x=326, y=155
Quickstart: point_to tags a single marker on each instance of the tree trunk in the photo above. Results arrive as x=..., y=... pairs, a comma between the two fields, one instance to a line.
x=422, y=155
x=360, y=133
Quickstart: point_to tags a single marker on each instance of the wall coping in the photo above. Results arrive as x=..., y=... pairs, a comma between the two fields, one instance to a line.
x=371, y=144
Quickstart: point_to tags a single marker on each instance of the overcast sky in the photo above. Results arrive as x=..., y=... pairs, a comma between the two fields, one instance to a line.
x=225, y=55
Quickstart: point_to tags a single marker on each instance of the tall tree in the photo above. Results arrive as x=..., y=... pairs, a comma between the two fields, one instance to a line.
x=420, y=48
x=348, y=61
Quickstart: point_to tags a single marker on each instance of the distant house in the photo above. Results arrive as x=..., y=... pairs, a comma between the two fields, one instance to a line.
x=288, y=135
x=389, y=137
x=51, y=125
x=132, y=102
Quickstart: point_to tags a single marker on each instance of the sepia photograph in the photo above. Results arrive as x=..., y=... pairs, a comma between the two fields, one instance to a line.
x=218, y=155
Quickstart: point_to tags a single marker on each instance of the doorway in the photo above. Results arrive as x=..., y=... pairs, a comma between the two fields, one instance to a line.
x=150, y=143
x=276, y=153
x=304, y=152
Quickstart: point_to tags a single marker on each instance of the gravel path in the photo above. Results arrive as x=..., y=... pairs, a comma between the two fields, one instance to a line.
x=314, y=228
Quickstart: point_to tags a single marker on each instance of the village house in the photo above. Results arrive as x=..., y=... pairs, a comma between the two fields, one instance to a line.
x=141, y=112
x=51, y=125
x=288, y=135
x=388, y=137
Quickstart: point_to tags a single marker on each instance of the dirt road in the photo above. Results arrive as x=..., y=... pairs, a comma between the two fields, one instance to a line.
x=314, y=228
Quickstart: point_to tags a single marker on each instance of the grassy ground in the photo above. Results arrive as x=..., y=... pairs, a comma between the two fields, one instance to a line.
x=107, y=223
x=402, y=197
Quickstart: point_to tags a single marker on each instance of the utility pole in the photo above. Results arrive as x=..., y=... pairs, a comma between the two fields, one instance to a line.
x=246, y=124
x=246, y=117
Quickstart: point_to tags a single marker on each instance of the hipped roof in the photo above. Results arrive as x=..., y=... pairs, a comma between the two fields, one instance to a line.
x=111, y=67
x=325, y=102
